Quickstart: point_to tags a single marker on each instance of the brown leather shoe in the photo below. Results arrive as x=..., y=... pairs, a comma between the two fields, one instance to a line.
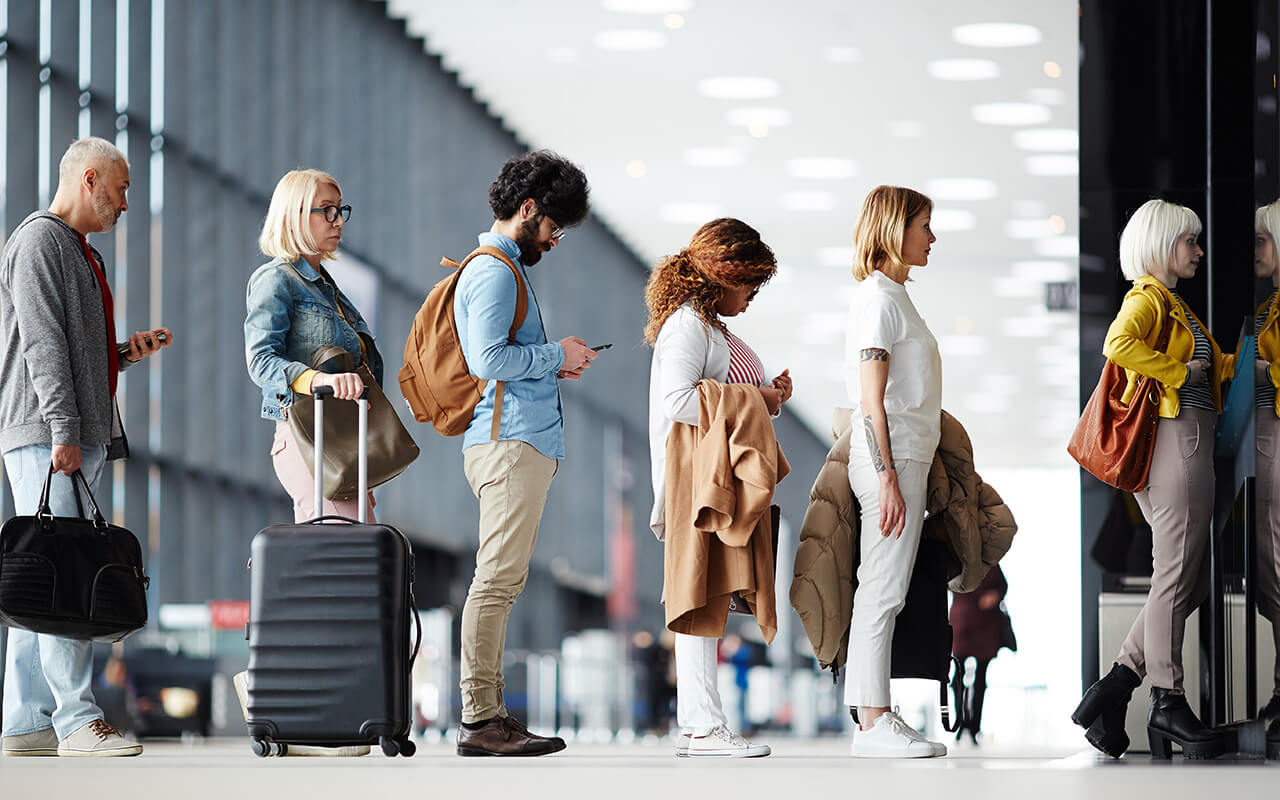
x=505, y=736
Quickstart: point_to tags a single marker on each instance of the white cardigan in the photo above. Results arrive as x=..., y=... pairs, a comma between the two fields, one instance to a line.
x=686, y=352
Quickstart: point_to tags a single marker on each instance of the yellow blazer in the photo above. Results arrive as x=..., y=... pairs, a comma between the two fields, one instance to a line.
x=1269, y=344
x=1131, y=342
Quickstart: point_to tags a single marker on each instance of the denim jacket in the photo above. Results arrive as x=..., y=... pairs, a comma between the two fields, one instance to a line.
x=289, y=316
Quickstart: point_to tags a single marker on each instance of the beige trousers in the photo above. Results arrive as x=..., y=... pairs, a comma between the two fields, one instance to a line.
x=296, y=478
x=1178, y=504
x=511, y=480
x=1267, y=530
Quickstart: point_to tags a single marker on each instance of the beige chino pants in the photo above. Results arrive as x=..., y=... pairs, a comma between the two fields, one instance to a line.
x=511, y=480
x=1178, y=504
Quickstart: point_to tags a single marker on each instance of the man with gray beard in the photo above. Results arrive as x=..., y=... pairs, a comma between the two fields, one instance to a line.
x=59, y=364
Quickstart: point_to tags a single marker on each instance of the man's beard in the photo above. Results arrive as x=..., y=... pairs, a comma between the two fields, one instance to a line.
x=107, y=215
x=527, y=240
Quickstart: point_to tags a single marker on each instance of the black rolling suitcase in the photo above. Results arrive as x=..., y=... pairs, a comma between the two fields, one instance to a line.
x=329, y=651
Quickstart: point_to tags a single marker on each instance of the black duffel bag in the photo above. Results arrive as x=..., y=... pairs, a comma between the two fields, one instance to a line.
x=71, y=576
x=922, y=636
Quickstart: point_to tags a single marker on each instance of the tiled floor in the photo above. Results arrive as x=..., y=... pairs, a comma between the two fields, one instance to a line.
x=797, y=770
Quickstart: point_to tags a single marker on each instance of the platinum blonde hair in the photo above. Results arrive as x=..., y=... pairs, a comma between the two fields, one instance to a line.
x=285, y=231
x=1151, y=234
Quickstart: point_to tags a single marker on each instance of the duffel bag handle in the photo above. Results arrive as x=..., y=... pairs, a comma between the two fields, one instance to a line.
x=961, y=693
x=43, y=512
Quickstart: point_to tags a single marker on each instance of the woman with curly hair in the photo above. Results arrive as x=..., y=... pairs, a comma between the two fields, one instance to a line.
x=688, y=296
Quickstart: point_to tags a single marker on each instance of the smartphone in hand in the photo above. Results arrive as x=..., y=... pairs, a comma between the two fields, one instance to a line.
x=600, y=347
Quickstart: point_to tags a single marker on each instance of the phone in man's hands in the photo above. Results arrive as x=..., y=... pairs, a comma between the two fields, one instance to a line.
x=600, y=347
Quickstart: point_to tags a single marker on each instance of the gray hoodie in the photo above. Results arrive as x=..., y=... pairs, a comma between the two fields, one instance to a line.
x=53, y=330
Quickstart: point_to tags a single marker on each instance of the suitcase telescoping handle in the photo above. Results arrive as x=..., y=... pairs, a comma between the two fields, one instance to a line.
x=362, y=452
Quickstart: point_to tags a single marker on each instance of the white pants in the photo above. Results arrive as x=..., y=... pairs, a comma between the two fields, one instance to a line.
x=883, y=577
x=698, y=708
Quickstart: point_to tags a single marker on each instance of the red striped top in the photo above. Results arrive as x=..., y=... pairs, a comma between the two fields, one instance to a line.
x=744, y=365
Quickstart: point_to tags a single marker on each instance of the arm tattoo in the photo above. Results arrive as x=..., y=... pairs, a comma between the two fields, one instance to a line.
x=873, y=354
x=872, y=447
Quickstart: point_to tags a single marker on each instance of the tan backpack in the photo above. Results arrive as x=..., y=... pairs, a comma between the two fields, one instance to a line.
x=435, y=378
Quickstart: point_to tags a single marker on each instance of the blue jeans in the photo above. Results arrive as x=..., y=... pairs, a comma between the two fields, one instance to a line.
x=47, y=679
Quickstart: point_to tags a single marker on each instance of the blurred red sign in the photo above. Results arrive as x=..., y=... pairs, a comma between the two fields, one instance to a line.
x=228, y=615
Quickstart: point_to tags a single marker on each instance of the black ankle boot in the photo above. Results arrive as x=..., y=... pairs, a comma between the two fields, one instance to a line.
x=1172, y=721
x=1102, y=710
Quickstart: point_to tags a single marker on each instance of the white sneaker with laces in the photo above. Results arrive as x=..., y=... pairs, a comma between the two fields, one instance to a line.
x=724, y=743
x=682, y=745
x=36, y=743
x=890, y=737
x=97, y=739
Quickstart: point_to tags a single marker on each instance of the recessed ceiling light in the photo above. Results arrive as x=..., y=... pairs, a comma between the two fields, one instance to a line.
x=963, y=69
x=842, y=54
x=772, y=117
x=713, y=157
x=1053, y=165
x=841, y=256
x=808, y=201
x=689, y=213
x=673, y=21
x=646, y=6
x=906, y=129
x=1047, y=140
x=739, y=87
x=1011, y=114
x=630, y=40
x=1057, y=246
x=834, y=168
x=1043, y=271
x=636, y=169
x=961, y=189
x=1052, y=69
x=952, y=219
x=1047, y=96
x=562, y=55
x=996, y=34
x=1027, y=228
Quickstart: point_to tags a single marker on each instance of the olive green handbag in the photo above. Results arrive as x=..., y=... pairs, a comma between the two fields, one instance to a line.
x=390, y=447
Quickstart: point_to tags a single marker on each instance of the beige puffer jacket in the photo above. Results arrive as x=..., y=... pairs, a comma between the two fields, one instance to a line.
x=963, y=511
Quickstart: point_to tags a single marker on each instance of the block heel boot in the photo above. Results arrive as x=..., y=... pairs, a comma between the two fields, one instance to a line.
x=1101, y=711
x=1172, y=721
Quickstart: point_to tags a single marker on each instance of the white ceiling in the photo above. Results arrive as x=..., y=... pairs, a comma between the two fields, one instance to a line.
x=855, y=84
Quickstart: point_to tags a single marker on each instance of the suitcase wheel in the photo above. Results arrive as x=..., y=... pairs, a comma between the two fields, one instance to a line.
x=389, y=747
x=407, y=747
x=261, y=747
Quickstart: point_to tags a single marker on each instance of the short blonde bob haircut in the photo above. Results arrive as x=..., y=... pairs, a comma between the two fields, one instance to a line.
x=285, y=231
x=1267, y=220
x=881, y=227
x=1151, y=235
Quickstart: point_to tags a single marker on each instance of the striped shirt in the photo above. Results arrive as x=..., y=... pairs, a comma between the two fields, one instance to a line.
x=1201, y=395
x=744, y=365
x=1264, y=395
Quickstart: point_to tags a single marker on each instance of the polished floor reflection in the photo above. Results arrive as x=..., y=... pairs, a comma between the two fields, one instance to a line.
x=809, y=768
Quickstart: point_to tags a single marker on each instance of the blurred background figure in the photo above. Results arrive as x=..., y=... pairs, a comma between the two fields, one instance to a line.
x=982, y=626
x=656, y=684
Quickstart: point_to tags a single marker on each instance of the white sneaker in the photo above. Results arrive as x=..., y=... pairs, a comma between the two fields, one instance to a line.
x=241, y=681
x=97, y=739
x=36, y=743
x=682, y=745
x=724, y=743
x=890, y=737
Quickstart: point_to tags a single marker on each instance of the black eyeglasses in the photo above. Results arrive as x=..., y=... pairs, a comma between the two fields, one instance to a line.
x=331, y=212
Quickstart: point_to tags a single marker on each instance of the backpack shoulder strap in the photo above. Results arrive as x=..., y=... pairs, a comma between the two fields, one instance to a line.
x=522, y=295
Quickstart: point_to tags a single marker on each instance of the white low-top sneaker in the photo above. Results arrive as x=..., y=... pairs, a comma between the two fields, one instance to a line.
x=97, y=739
x=682, y=745
x=724, y=743
x=890, y=737
x=36, y=743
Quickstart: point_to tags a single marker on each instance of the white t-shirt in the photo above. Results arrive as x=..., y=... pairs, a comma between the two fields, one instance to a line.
x=883, y=316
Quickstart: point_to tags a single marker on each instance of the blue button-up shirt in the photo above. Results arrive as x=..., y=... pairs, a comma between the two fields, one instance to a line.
x=484, y=307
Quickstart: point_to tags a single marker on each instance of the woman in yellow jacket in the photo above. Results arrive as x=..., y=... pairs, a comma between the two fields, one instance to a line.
x=1266, y=265
x=1157, y=249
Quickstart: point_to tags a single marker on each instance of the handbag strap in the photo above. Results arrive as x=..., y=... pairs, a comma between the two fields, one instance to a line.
x=1162, y=344
x=323, y=354
x=45, y=514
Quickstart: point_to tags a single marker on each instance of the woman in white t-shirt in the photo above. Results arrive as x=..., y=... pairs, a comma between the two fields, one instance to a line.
x=894, y=379
x=688, y=296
